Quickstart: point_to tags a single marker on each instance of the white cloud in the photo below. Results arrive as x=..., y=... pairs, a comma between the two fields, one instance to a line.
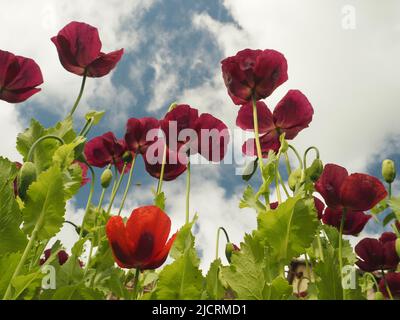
x=9, y=128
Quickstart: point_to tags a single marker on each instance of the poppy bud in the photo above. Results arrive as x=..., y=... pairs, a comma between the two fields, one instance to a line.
x=106, y=178
x=229, y=249
x=127, y=157
x=379, y=296
x=388, y=170
x=27, y=175
x=315, y=170
x=294, y=178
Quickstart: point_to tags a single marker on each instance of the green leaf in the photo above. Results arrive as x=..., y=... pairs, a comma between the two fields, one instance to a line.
x=348, y=254
x=22, y=283
x=8, y=264
x=214, y=287
x=64, y=129
x=77, y=292
x=159, y=200
x=95, y=115
x=250, y=200
x=184, y=241
x=290, y=229
x=279, y=289
x=45, y=208
x=245, y=275
x=12, y=239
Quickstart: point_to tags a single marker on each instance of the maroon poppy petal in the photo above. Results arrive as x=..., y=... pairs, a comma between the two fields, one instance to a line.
x=68, y=61
x=245, y=121
x=137, y=130
x=361, y=192
x=269, y=141
x=29, y=75
x=293, y=113
x=353, y=225
x=387, y=236
x=213, y=137
x=104, y=64
x=17, y=96
x=391, y=257
x=329, y=184
x=274, y=205
x=371, y=255
x=8, y=67
x=319, y=206
x=393, y=282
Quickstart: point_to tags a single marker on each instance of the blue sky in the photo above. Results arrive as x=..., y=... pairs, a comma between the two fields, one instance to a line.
x=173, y=50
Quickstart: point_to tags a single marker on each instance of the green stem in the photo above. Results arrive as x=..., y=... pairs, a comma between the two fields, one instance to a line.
x=128, y=184
x=390, y=191
x=371, y=276
x=303, y=173
x=340, y=249
x=33, y=147
x=277, y=188
x=283, y=185
x=88, y=125
x=321, y=252
x=386, y=285
x=78, y=99
x=217, y=244
x=135, y=284
x=257, y=137
x=297, y=156
x=187, y=192
x=160, y=180
x=287, y=162
x=115, y=191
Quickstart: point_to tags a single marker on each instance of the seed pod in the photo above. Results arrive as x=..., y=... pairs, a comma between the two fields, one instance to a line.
x=106, y=178
x=127, y=157
x=229, y=249
x=388, y=170
x=315, y=170
x=27, y=175
x=294, y=178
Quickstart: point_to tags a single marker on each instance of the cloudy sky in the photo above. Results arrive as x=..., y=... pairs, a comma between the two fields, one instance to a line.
x=344, y=55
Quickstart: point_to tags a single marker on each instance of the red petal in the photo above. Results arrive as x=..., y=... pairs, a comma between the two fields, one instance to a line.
x=370, y=252
x=269, y=141
x=361, y=192
x=136, y=133
x=354, y=223
x=329, y=184
x=245, y=121
x=160, y=258
x=319, y=206
x=104, y=64
x=293, y=113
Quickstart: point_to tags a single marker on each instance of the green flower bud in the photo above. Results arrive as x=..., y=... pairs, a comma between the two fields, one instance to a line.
x=27, y=175
x=106, y=178
x=127, y=157
x=315, y=170
x=229, y=249
x=388, y=170
x=294, y=178
x=379, y=296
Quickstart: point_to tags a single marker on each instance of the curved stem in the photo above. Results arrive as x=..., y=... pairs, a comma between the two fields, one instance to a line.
x=257, y=137
x=187, y=191
x=386, y=285
x=287, y=162
x=297, y=156
x=115, y=191
x=33, y=147
x=340, y=249
x=86, y=128
x=71, y=223
x=371, y=276
x=160, y=180
x=128, y=184
x=306, y=152
x=217, y=244
x=283, y=185
x=78, y=99
x=135, y=284
x=89, y=202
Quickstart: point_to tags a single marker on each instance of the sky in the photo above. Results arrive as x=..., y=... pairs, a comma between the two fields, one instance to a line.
x=343, y=55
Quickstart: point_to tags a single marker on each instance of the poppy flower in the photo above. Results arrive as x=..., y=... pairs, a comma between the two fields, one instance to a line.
x=253, y=73
x=175, y=163
x=79, y=50
x=377, y=254
x=19, y=77
x=355, y=192
x=104, y=150
x=136, y=134
x=354, y=223
x=291, y=115
x=187, y=131
x=319, y=206
x=61, y=255
x=393, y=282
x=141, y=243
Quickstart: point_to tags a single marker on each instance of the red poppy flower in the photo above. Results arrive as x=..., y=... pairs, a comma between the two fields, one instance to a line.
x=354, y=223
x=84, y=168
x=356, y=192
x=136, y=134
x=175, y=163
x=104, y=150
x=393, y=282
x=141, y=242
x=79, y=49
x=61, y=255
x=19, y=77
x=186, y=131
x=376, y=255
x=387, y=237
x=253, y=72
x=291, y=115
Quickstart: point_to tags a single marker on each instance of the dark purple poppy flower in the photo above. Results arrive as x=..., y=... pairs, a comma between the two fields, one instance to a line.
x=393, y=282
x=19, y=77
x=137, y=130
x=355, y=192
x=354, y=223
x=84, y=168
x=292, y=114
x=61, y=255
x=253, y=73
x=319, y=206
x=79, y=49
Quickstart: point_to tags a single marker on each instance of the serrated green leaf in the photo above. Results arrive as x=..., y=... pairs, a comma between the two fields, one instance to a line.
x=77, y=292
x=290, y=229
x=24, y=282
x=184, y=241
x=95, y=115
x=215, y=290
x=250, y=200
x=8, y=264
x=12, y=239
x=159, y=200
x=45, y=207
x=279, y=289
